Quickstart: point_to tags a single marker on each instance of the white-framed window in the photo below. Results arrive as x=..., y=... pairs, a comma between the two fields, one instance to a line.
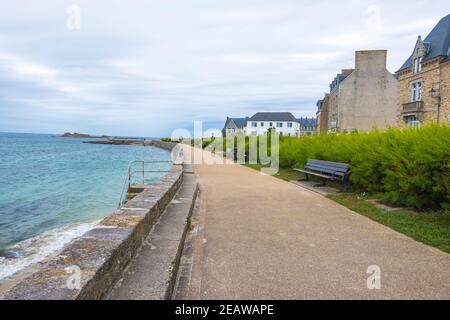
x=412, y=121
x=279, y=124
x=254, y=124
x=416, y=91
x=271, y=124
x=262, y=124
x=418, y=64
x=289, y=125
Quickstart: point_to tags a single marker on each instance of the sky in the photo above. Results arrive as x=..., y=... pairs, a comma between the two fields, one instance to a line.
x=145, y=68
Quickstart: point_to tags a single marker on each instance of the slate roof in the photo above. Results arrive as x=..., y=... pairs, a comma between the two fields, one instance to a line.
x=307, y=122
x=239, y=122
x=273, y=116
x=437, y=43
x=337, y=80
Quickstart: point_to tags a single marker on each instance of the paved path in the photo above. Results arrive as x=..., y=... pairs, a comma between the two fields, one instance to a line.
x=259, y=237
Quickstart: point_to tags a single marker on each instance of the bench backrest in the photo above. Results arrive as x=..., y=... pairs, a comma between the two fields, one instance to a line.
x=327, y=166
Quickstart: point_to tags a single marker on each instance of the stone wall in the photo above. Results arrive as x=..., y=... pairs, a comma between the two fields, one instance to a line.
x=100, y=255
x=444, y=116
x=161, y=144
x=368, y=97
x=333, y=110
x=322, y=116
x=431, y=78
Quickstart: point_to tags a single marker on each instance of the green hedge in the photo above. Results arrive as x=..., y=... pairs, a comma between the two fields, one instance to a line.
x=410, y=167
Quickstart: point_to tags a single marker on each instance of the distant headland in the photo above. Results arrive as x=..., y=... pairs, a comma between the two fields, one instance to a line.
x=82, y=135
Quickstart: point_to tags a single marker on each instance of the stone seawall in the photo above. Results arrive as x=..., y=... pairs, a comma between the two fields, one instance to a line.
x=90, y=265
x=161, y=144
x=166, y=145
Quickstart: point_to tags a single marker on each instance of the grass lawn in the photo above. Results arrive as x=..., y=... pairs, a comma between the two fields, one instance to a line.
x=431, y=228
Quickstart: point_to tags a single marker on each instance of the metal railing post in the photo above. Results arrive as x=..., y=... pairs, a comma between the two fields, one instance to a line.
x=129, y=177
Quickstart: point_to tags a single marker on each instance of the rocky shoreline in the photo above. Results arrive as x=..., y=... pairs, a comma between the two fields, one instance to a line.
x=82, y=135
x=120, y=142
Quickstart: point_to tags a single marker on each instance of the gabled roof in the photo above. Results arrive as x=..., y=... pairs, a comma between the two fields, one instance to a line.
x=437, y=43
x=239, y=122
x=273, y=116
x=307, y=122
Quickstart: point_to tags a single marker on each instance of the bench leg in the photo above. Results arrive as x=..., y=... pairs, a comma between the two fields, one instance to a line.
x=306, y=177
x=345, y=182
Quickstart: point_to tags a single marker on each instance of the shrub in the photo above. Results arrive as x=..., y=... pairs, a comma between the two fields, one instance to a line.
x=409, y=166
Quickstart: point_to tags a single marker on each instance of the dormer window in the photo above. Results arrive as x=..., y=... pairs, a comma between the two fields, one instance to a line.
x=418, y=64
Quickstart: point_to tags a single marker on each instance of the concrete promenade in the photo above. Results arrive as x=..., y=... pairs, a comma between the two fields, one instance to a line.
x=257, y=237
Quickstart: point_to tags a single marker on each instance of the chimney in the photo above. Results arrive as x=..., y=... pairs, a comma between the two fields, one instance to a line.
x=370, y=59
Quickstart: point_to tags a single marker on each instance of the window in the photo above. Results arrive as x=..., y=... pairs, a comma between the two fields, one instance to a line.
x=254, y=124
x=289, y=125
x=271, y=124
x=279, y=124
x=262, y=124
x=416, y=91
x=418, y=64
x=412, y=121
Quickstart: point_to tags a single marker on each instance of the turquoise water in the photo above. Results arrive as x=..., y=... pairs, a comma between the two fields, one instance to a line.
x=51, y=183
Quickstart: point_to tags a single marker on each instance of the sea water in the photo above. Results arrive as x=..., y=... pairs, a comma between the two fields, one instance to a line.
x=54, y=189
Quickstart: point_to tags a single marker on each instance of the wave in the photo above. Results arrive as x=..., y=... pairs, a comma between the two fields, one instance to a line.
x=37, y=249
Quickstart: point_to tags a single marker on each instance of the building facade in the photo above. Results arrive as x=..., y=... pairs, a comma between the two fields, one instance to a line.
x=307, y=126
x=363, y=98
x=284, y=124
x=233, y=126
x=322, y=115
x=424, y=93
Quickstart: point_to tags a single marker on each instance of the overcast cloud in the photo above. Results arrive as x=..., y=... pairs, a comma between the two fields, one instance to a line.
x=147, y=67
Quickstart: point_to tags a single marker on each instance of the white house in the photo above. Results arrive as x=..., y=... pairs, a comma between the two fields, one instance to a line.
x=283, y=122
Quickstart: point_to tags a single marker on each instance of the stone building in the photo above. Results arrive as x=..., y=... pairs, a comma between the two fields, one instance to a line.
x=322, y=115
x=233, y=126
x=424, y=94
x=363, y=98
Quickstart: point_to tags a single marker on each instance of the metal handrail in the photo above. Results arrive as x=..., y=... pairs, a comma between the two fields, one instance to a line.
x=131, y=172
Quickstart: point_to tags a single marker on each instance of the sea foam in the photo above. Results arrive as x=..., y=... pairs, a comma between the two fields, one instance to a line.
x=37, y=249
